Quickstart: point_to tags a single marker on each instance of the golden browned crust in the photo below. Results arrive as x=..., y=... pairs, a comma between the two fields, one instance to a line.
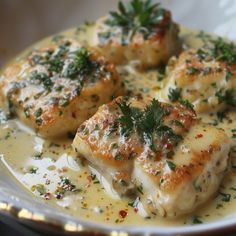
x=62, y=107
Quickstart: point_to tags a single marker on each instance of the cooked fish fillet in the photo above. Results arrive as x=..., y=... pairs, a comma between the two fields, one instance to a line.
x=172, y=159
x=199, y=163
x=56, y=88
x=209, y=84
x=147, y=46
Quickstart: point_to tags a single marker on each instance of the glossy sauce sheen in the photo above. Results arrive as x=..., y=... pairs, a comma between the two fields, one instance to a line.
x=49, y=168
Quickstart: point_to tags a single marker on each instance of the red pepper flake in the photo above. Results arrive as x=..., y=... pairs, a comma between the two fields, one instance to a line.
x=89, y=178
x=199, y=136
x=123, y=213
x=135, y=209
x=169, y=146
x=158, y=156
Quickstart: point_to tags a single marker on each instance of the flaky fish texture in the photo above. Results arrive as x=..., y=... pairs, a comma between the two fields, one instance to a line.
x=56, y=88
x=206, y=77
x=160, y=152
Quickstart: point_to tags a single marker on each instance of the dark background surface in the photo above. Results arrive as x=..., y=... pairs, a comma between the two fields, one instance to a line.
x=9, y=227
x=7, y=231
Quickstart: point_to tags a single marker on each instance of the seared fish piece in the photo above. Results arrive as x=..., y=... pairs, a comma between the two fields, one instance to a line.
x=163, y=151
x=139, y=31
x=56, y=88
x=206, y=77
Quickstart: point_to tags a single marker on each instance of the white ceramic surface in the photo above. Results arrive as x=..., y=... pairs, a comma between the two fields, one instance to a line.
x=23, y=22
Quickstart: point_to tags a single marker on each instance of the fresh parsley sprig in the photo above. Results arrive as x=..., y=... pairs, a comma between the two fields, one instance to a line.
x=80, y=64
x=146, y=123
x=137, y=16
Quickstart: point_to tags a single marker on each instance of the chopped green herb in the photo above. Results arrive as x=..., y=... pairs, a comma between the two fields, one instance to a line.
x=225, y=197
x=214, y=85
x=93, y=176
x=218, y=49
x=228, y=75
x=162, y=181
x=223, y=51
x=39, y=188
x=113, y=128
x=218, y=206
x=170, y=154
x=196, y=185
x=38, y=112
x=207, y=70
x=177, y=123
x=233, y=149
x=33, y=169
x=186, y=103
x=204, y=36
x=66, y=184
x=119, y=157
x=131, y=204
x=39, y=121
x=3, y=117
x=94, y=179
x=196, y=220
x=161, y=72
x=174, y=94
x=57, y=38
x=114, y=145
x=41, y=78
x=192, y=70
x=227, y=96
x=221, y=115
x=38, y=156
x=97, y=127
x=171, y=165
x=127, y=119
x=64, y=101
x=27, y=112
x=140, y=189
x=131, y=155
x=80, y=65
x=147, y=122
x=8, y=135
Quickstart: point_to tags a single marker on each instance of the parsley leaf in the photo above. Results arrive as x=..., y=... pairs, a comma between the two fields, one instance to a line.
x=225, y=197
x=171, y=165
x=219, y=50
x=227, y=96
x=196, y=220
x=186, y=103
x=136, y=16
x=79, y=65
x=146, y=123
x=174, y=94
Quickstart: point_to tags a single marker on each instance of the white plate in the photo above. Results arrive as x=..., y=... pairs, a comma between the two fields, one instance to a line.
x=24, y=22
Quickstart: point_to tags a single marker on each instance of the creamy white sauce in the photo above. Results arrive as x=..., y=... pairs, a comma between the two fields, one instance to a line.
x=40, y=165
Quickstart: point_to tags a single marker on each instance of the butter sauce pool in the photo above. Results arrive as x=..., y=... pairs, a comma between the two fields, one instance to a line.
x=50, y=170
